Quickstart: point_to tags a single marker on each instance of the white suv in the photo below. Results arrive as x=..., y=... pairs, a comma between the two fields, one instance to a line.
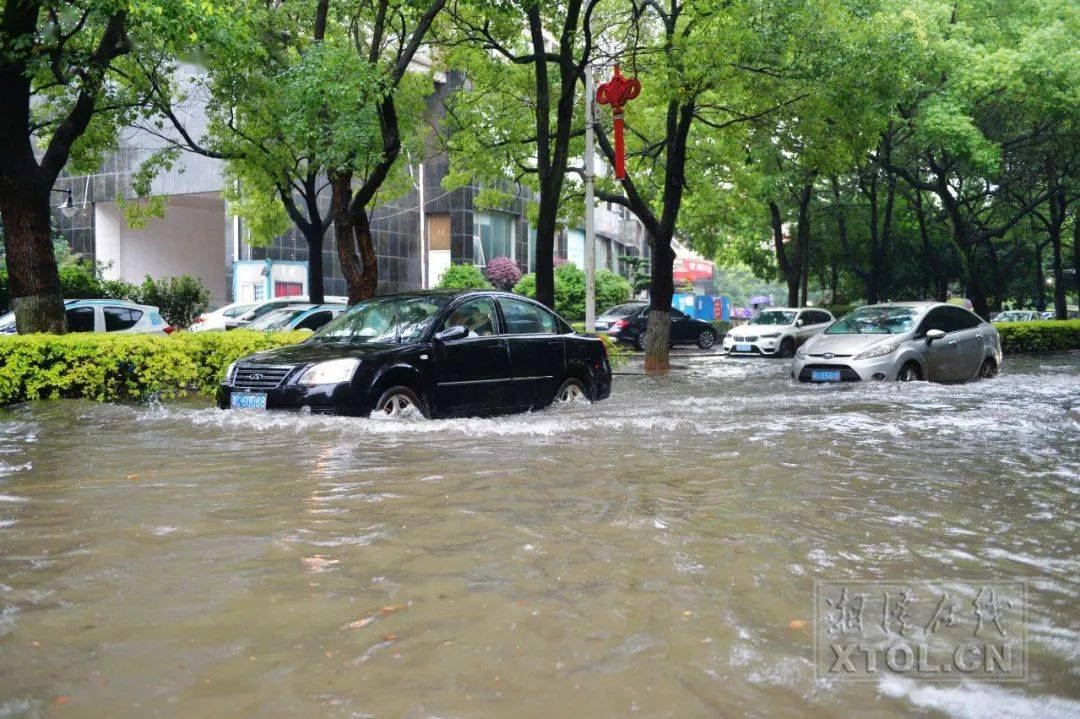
x=777, y=331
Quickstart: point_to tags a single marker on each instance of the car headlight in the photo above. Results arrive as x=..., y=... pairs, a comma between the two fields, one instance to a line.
x=230, y=372
x=332, y=372
x=885, y=348
x=801, y=353
x=771, y=335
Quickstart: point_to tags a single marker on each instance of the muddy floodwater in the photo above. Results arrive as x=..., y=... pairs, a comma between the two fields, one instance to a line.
x=653, y=555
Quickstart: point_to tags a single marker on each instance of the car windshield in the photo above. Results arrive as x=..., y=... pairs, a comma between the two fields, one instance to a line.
x=236, y=311
x=276, y=320
x=773, y=317
x=874, y=321
x=7, y=323
x=622, y=310
x=387, y=319
x=1011, y=316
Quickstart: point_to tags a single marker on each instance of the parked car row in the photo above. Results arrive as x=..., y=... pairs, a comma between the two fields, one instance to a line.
x=242, y=314
x=104, y=316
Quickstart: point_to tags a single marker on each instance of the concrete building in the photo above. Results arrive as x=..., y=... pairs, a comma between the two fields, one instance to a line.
x=416, y=236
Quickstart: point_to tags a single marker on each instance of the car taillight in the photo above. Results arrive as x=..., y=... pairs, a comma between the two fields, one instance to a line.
x=169, y=329
x=618, y=325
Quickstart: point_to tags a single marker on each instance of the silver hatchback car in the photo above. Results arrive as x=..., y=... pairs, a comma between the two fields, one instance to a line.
x=901, y=341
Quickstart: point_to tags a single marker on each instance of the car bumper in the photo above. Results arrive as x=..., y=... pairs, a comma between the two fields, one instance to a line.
x=759, y=347
x=317, y=399
x=851, y=370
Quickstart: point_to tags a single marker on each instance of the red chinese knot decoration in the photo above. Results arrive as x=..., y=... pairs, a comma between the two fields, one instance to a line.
x=617, y=92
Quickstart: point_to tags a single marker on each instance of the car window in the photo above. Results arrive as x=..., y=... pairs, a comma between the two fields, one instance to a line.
x=314, y=321
x=237, y=311
x=80, y=319
x=631, y=308
x=961, y=319
x=548, y=322
x=120, y=318
x=874, y=320
x=821, y=318
x=521, y=317
x=477, y=316
x=677, y=314
x=935, y=320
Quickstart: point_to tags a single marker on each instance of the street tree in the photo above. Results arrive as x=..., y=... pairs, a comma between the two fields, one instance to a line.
x=70, y=77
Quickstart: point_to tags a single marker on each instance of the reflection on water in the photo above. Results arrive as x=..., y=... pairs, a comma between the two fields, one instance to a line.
x=648, y=555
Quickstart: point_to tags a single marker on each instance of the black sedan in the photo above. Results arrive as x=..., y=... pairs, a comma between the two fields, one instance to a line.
x=439, y=353
x=626, y=323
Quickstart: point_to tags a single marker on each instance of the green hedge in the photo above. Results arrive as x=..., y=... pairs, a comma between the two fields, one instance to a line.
x=1042, y=336
x=123, y=366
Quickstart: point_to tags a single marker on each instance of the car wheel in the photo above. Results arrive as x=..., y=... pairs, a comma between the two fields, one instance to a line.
x=989, y=369
x=571, y=390
x=400, y=402
x=787, y=348
x=910, y=373
x=639, y=342
x=706, y=339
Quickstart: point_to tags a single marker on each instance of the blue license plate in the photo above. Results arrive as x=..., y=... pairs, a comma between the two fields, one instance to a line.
x=824, y=375
x=743, y=348
x=248, y=400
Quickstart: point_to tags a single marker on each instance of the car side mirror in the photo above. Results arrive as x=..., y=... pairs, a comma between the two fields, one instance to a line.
x=454, y=332
x=932, y=335
x=799, y=323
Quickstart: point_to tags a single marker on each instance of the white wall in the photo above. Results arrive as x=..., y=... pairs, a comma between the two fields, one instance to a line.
x=189, y=240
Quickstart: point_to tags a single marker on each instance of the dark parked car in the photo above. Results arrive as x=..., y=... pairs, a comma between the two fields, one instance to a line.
x=442, y=353
x=626, y=323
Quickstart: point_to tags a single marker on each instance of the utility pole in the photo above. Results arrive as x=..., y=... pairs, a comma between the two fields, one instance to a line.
x=590, y=231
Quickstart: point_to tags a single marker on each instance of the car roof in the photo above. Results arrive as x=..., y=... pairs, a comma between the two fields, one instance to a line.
x=115, y=303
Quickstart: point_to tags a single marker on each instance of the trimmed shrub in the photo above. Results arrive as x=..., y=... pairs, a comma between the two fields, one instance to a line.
x=503, y=273
x=463, y=277
x=180, y=299
x=611, y=289
x=1041, y=336
x=124, y=366
x=722, y=327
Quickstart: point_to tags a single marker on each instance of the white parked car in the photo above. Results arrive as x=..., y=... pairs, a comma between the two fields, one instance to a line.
x=104, y=316
x=239, y=314
x=777, y=331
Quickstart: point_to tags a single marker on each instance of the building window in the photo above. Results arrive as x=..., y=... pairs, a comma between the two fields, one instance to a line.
x=575, y=247
x=288, y=289
x=530, y=262
x=494, y=236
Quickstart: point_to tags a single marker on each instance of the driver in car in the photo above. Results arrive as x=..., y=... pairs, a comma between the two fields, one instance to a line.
x=477, y=323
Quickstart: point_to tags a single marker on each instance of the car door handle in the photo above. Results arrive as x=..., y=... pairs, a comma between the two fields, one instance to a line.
x=953, y=343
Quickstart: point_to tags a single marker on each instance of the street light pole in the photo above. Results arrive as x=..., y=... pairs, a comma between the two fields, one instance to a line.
x=590, y=231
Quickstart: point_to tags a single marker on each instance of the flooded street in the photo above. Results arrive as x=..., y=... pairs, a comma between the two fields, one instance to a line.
x=652, y=555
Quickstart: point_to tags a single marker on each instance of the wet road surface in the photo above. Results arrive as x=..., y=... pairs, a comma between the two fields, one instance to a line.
x=652, y=555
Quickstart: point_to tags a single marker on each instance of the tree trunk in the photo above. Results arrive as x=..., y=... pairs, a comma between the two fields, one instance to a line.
x=545, y=251
x=34, y=282
x=658, y=329
x=351, y=228
x=1061, y=310
x=1040, y=279
x=975, y=291
x=316, y=290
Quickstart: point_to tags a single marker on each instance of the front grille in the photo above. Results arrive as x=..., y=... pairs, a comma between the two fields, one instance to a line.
x=745, y=339
x=255, y=376
x=754, y=349
x=831, y=355
x=846, y=373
